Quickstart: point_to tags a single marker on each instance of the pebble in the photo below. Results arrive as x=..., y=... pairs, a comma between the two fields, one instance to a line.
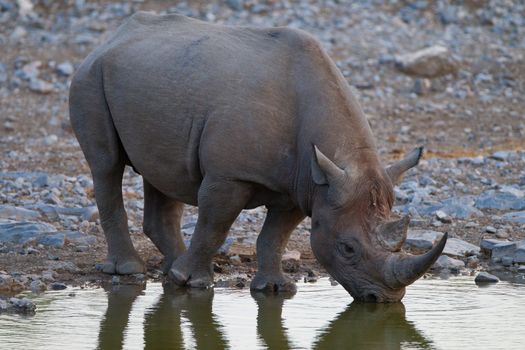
x=41, y=86
x=443, y=217
x=37, y=286
x=490, y=229
x=57, y=286
x=292, y=255
x=65, y=68
x=485, y=277
x=235, y=260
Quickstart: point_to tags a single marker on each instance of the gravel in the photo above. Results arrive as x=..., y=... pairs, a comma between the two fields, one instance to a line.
x=432, y=73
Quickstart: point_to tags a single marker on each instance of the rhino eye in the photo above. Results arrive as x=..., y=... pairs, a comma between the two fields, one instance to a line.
x=347, y=250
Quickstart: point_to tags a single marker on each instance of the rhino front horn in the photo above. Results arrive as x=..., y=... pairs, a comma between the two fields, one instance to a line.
x=403, y=270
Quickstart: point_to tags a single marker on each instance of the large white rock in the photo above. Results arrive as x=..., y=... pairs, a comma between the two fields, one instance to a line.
x=431, y=62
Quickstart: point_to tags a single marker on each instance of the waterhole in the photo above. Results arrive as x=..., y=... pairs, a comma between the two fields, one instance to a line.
x=435, y=314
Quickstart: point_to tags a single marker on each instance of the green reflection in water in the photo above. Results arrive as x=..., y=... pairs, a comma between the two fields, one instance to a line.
x=360, y=326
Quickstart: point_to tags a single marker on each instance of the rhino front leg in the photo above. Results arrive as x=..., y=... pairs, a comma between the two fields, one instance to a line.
x=276, y=231
x=220, y=202
x=162, y=222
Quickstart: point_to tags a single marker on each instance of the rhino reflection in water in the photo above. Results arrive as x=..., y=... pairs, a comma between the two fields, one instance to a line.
x=372, y=327
x=364, y=326
x=163, y=321
x=232, y=118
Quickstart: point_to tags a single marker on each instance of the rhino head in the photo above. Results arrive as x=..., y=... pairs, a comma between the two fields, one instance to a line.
x=352, y=234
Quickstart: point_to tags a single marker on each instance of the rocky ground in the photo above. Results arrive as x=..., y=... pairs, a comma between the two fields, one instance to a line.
x=448, y=75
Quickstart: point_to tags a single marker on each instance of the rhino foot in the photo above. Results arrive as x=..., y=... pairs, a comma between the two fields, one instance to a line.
x=192, y=276
x=123, y=266
x=273, y=284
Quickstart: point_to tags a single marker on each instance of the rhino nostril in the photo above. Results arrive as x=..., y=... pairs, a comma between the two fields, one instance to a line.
x=371, y=298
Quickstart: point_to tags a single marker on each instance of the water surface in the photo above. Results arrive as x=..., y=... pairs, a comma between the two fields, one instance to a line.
x=435, y=314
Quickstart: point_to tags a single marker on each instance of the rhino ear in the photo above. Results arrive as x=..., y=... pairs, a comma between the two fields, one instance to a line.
x=396, y=170
x=324, y=171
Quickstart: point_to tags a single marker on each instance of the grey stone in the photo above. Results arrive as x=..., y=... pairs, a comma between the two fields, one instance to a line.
x=41, y=86
x=80, y=238
x=430, y=62
x=458, y=247
x=503, y=155
x=499, y=200
x=223, y=250
x=512, y=190
x=115, y=279
x=502, y=234
x=87, y=213
x=507, y=261
x=56, y=240
x=519, y=253
x=499, y=251
x=22, y=306
x=22, y=232
x=443, y=217
x=517, y=217
x=422, y=239
x=84, y=39
x=490, y=229
x=37, y=286
x=485, y=277
x=422, y=87
x=446, y=262
x=57, y=286
x=17, y=213
x=460, y=207
x=437, y=223
x=41, y=181
x=479, y=160
x=29, y=71
x=65, y=68
x=486, y=245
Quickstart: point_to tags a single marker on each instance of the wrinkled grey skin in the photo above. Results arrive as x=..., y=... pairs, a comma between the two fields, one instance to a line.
x=229, y=118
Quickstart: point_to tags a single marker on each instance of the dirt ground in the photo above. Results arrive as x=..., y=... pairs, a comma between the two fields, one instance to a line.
x=461, y=116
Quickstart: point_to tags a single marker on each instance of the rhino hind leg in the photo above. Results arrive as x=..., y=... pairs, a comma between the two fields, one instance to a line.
x=100, y=143
x=220, y=202
x=277, y=228
x=162, y=223
x=122, y=257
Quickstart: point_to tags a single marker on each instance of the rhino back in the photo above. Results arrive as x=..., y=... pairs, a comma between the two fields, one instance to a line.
x=190, y=99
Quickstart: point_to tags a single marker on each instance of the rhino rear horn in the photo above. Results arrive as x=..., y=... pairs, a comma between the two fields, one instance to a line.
x=396, y=170
x=324, y=171
x=393, y=234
